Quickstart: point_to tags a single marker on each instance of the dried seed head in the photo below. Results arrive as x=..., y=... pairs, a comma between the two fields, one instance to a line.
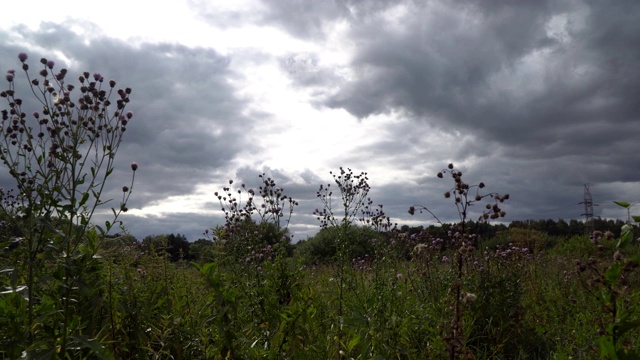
x=469, y=297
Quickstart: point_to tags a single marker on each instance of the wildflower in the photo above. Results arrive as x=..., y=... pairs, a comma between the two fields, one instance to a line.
x=23, y=57
x=399, y=276
x=125, y=188
x=50, y=64
x=412, y=210
x=419, y=248
x=134, y=166
x=469, y=297
x=445, y=259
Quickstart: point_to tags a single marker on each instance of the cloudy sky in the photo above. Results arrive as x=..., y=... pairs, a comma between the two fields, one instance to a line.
x=534, y=98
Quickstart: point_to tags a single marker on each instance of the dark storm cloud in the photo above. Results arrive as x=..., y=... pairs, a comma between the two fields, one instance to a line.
x=546, y=92
x=188, y=120
x=454, y=64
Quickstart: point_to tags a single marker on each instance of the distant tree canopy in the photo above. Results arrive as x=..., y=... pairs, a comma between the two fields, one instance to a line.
x=175, y=246
x=321, y=248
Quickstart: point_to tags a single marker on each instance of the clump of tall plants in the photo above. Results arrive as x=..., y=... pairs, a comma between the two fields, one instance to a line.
x=464, y=244
x=58, y=142
x=253, y=272
x=610, y=277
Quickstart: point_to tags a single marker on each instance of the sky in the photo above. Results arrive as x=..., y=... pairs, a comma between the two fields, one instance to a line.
x=533, y=98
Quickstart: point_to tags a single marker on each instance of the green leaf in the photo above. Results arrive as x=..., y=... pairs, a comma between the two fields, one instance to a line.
x=624, y=204
x=607, y=349
x=100, y=351
x=353, y=343
x=626, y=235
x=636, y=218
x=85, y=197
x=613, y=272
x=626, y=326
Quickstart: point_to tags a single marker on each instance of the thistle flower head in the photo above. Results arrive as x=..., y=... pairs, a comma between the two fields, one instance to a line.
x=134, y=166
x=23, y=57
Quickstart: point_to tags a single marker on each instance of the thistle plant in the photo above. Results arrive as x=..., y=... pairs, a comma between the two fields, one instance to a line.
x=464, y=196
x=273, y=207
x=255, y=245
x=610, y=283
x=60, y=156
x=353, y=196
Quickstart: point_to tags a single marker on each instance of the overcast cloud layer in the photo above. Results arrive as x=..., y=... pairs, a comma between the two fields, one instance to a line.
x=533, y=98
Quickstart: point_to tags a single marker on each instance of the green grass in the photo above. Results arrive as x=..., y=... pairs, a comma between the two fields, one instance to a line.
x=517, y=306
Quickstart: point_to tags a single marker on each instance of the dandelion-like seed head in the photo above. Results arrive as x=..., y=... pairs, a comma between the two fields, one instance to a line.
x=469, y=297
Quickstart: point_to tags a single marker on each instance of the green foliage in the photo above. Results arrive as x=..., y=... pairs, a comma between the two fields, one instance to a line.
x=322, y=248
x=535, y=241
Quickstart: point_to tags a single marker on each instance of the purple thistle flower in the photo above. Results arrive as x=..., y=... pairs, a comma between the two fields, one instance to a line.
x=23, y=57
x=134, y=166
x=97, y=76
x=50, y=64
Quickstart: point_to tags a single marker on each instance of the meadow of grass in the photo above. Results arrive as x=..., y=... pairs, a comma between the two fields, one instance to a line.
x=516, y=303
